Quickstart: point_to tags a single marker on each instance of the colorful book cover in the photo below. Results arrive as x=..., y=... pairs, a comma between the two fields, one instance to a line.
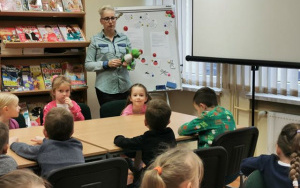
x=71, y=32
x=25, y=5
x=27, y=78
x=49, y=70
x=35, y=5
x=28, y=34
x=38, y=81
x=75, y=72
x=11, y=5
x=9, y=34
x=72, y=5
x=25, y=113
x=35, y=113
x=50, y=33
x=52, y=5
x=11, y=78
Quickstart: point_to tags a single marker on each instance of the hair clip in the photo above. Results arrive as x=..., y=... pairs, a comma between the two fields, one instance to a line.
x=295, y=182
x=298, y=131
x=54, y=76
x=159, y=170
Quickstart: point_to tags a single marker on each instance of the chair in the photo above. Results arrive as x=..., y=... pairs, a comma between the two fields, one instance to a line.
x=215, y=163
x=85, y=110
x=112, y=108
x=255, y=179
x=239, y=144
x=108, y=173
x=21, y=121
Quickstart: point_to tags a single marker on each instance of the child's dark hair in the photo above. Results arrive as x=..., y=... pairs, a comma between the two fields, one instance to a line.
x=289, y=143
x=130, y=92
x=157, y=114
x=59, y=124
x=206, y=96
x=3, y=136
x=22, y=178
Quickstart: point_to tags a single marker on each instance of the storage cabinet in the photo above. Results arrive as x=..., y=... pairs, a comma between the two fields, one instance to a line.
x=12, y=19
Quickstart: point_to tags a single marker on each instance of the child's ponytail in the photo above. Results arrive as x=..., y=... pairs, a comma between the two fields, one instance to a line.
x=295, y=159
x=152, y=178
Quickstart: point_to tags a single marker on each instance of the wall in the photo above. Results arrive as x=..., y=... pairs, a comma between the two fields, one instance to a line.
x=93, y=26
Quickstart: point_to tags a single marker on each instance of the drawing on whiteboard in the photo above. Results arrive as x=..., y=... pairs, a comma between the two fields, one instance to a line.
x=172, y=65
x=152, y=23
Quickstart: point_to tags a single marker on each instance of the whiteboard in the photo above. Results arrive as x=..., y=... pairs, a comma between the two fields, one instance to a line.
x=153, y=30
x=247, y=29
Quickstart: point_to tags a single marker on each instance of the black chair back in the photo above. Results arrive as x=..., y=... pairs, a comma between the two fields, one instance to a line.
x=215, y=163
x=85, y=110
x=112, y=108
x=108, y=173
x=21, y=121
x=239, y=144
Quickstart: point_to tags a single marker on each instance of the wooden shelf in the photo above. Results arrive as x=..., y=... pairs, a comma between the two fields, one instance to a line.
x=42, y=55
x=46, y=44
x=44, y=14
x=46, y=91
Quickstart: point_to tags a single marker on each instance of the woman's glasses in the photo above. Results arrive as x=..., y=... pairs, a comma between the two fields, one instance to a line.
x=106, y=19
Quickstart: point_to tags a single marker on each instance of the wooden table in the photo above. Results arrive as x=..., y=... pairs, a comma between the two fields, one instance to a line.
x=101, y=132
x=26, y=134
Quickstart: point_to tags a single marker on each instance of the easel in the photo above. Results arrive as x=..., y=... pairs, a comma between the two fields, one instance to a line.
x=255, y=64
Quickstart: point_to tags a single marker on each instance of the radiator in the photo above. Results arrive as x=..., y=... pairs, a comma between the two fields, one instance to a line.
x=276, y=121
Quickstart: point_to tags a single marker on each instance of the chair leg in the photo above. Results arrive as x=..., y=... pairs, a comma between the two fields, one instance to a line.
x=241, y=180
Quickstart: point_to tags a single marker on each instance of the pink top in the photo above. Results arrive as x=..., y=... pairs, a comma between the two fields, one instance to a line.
x=75, y=110
x=128, y=110
x=13, y=124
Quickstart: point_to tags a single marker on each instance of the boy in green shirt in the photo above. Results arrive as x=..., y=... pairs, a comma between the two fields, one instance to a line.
x=212, y=121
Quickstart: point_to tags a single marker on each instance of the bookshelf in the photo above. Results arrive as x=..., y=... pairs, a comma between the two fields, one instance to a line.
x=28, y=18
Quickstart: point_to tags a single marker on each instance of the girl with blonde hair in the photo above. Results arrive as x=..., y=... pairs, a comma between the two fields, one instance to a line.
x=176, y=168
x=9, y=108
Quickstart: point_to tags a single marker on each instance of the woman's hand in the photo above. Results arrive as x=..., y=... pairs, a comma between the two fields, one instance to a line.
x=114, y=63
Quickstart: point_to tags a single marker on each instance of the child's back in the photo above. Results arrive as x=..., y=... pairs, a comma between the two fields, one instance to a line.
x=281, y=169
x=7, y=163
x=154, y=141
x=58, y=149
x=212, y=121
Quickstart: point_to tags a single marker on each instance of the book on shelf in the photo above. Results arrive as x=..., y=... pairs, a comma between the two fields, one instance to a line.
x=72, y=5
x=12, y=77
x=35, y=5
x=75, y=72
x=8, y=34
x=38, y=80
x=25, y=5
x=28, y=34
x=27, y=78
x=52, y=5
x=50, y=33
x=35, y=112
x=33, y=51
x=71, y=32
x=49, y=70
x=11, y=5
x=24, y=111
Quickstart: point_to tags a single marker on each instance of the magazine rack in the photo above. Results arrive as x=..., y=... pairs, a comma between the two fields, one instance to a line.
x=77, y=56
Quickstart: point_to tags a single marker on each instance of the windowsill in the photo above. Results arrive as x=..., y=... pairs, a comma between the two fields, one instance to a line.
x=275, y=98
x=193, y=88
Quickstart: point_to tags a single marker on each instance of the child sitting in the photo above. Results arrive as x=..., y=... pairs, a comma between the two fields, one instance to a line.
x=9, y=108
x=283, y=169
x=23, y=178
x=176, y=168
x=213, y=119
x=159, y=136
x=58, y=149
x=61, y=91
x=7, y=163
x=136, y=100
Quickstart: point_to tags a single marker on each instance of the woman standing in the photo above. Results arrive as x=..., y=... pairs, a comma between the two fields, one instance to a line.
x=104, y=57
